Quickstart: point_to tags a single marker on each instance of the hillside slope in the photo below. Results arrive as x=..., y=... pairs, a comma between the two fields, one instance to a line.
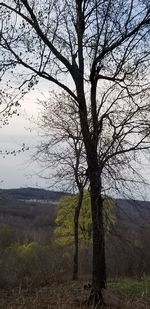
x=31, y=194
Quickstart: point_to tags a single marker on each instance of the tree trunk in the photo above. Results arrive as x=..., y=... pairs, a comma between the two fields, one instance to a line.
x=94, y=174
x=99, y=266
x=76, y=237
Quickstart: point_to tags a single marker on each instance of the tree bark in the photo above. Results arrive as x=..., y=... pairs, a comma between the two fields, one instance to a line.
x=99, y=265
x=94, y=173
x=76, y=237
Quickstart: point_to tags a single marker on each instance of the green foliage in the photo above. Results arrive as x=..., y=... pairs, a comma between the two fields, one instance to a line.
x=64, y=231
x=132, y=287
x=27, y=249
x=32, y=264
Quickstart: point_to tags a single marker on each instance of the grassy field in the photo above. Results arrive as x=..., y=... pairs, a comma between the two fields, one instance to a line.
x=132, y=287
x=123, y=294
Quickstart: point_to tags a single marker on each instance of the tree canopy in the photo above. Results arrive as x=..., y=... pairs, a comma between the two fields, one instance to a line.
x=64, y=231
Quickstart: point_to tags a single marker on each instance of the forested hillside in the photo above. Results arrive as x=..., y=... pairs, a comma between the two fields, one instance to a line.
x=27, y=224
x=28, y=204
x=30, y=194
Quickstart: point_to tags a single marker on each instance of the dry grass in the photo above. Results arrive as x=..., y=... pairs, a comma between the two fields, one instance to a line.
x=68, y=295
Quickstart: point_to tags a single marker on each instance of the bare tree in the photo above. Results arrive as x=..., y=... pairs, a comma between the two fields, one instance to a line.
x=98, y=52
x=62, y=152
x=9, y=108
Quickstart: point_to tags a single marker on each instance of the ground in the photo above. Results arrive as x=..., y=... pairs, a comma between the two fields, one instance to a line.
x=123, y=294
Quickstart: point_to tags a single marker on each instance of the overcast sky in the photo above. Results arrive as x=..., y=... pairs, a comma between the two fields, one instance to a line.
x=19, y=170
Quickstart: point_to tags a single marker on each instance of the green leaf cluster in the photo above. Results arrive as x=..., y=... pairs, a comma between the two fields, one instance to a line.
x=64, y=231
x=25, y=250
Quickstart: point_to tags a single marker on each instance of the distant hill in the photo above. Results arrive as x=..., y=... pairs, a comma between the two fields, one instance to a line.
x=30, y=212
x=30, y=194
x=30, y=215
x=133, y=212
x=37, y=208
x=128, y=211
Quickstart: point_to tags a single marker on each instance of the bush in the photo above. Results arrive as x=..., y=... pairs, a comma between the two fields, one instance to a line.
x=33, y=264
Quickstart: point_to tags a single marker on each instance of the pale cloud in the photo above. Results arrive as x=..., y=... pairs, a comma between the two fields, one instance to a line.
x=19, y=171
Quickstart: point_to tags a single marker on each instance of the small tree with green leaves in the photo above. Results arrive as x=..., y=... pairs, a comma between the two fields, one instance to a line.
x=64, y=231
